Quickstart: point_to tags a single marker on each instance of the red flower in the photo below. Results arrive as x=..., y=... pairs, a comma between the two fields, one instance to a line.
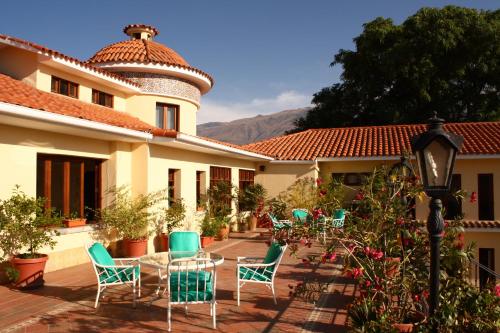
x=416, y=298
x=322, y=193
x=359, y=196
x=460, y=237
x=350, y=247
x=357, y=272
x=319, y=181
x=368, y=283
x=459, y=245
x=425, y=293
x=497, y=290
x=367, y=250
x=333, y=256
x=473, y=197
x=400, y=221
x=377, y=255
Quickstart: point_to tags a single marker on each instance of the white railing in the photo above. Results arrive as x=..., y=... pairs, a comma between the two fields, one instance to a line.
x=476, y=269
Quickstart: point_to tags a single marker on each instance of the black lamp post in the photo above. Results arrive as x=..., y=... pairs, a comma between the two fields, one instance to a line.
x=435, y=150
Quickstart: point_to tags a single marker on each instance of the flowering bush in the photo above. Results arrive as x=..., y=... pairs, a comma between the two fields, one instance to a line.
x=386, y=252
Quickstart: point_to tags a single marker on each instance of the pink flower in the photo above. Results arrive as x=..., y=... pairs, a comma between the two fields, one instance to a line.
x=350, y=247
x=497, y=290
x=333, y=256
x=322, y=193
x=357, y=272
x=367, y=250
x=359, y=196
x=368, y=283
x=473, y=197
x=377, y=254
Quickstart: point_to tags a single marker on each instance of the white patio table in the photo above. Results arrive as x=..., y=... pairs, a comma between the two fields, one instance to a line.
x=160, y=260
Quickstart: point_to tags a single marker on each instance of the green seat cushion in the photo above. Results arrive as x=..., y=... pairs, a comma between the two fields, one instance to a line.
x=256, y=274
x=300, y=215
x=102, y=257
x=339, y=214
x=184, y=241
x=179, y=281
x=273, y=253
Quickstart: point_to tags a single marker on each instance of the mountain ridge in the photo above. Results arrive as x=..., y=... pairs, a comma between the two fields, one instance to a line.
x=251, y=129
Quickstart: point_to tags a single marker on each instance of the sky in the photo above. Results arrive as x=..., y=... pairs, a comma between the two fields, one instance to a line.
x=265, y=55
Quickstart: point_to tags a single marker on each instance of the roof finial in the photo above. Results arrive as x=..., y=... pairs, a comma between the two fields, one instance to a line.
x=141, y=31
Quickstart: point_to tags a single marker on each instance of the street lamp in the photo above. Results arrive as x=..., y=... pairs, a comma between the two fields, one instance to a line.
x=435, y=150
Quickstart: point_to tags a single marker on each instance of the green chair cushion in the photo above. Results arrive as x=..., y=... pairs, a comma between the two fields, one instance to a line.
x=102, y=257
x=300, y=215
x=184, y=241
x=179, y=282
x=339, y=214
x=273, y=253
x=253, y=274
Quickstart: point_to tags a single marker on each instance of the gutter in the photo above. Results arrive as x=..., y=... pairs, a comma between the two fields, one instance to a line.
x=34, y=114
x=185, y=138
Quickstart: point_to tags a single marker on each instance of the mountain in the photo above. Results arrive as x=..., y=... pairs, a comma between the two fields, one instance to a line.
x=247, y=130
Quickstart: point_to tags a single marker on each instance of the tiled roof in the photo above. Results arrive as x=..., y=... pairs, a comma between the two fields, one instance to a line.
x=19, y=93
x=45, y=50
x=142, y=51
x=481, y=224
x=373, y=141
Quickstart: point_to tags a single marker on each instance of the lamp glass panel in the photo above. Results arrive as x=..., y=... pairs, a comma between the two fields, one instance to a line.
x=438, y=156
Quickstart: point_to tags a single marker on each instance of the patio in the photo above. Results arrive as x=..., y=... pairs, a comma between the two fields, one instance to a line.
x=65, y=304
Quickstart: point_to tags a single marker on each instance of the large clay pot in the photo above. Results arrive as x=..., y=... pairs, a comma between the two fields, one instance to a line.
x=73, y=223
x=403, y=328
x=223, y=233
x=30, y=271
x=164, y=242
x=135, y=247
x=252, y=222
x=206, y=241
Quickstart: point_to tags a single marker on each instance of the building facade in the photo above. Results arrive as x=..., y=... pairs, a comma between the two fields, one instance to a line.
x=71, y=129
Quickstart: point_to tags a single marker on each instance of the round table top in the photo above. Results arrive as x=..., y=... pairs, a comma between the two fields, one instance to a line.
x=160, y=260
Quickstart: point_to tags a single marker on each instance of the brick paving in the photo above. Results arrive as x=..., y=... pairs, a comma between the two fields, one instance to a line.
x=65, y=303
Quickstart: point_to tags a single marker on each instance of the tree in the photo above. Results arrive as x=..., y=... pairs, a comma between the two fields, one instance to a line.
x=445, y=60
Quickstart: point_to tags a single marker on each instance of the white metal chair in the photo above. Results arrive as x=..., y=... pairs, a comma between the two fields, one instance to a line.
x=113, y=271
x=260, y=270
x=191, y=281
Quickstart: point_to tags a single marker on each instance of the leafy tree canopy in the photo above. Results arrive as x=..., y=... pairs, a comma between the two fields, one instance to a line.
x=445, y=60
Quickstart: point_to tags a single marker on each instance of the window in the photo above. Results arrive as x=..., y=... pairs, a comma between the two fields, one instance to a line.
x=218, y=174
x=485, y=196
x=71, y=185
x=246, y=178
x=486, y=258
x=64, y=87
x=167, y=116
x=101, y=98
x=200, y=189
x=453, y=205
x=173, y=185
x=352, y=179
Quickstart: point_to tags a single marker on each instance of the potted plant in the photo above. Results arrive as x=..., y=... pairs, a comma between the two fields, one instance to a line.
x=172, y=218
x=74, y=220
x=24, y=226
x=130, y=218
x=222, y=224
x=252, y=199
x=220, y=197
x=208, y=231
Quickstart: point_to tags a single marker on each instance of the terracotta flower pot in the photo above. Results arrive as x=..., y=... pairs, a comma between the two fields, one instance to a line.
x=72, y=223
x=135, y=247
x=206, y=241
x=252, y=222
x=30, y=271
x=164, y=242
x=403, y=328
x=392, y=266
x=223, y=233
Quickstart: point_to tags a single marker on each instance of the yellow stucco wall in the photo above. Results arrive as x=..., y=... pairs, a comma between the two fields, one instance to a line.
x=19, y=64
x=485, y=240
x=278, y=177
x=144, y=107
x=44, y=79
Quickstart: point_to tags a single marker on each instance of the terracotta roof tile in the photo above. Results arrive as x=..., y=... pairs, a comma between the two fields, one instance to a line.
x=374, y=141
x=481, y=224
x=45, y=50
x=142, y=51
x=19, y=93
